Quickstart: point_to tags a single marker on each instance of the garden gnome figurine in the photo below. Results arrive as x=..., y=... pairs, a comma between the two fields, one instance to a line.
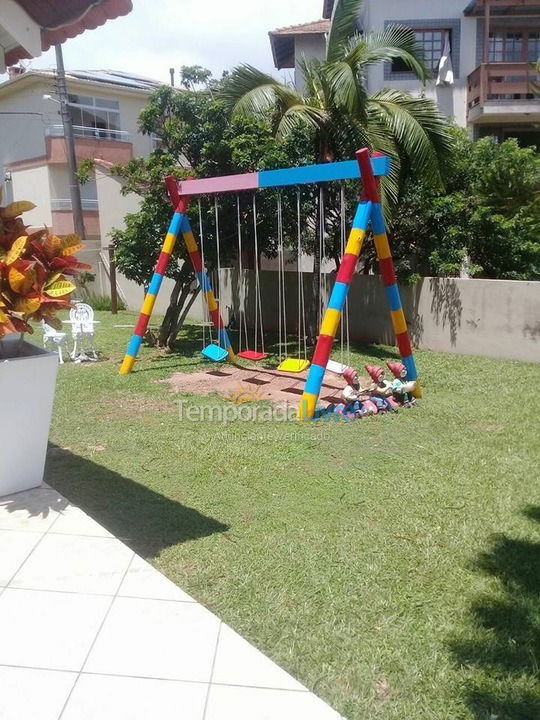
x=351, y=395
x=351, y=390
x=380, y=390
x=401, y=387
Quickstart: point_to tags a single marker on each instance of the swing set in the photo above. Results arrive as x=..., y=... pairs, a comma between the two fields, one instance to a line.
x=368, y=214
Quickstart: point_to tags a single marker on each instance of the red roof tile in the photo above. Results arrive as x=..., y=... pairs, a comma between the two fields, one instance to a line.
x=315, y=27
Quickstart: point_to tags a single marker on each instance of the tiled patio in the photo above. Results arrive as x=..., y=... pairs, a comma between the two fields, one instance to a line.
x=90, y=631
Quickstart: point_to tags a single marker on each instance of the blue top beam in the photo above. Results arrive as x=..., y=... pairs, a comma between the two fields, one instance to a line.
x=346, y=170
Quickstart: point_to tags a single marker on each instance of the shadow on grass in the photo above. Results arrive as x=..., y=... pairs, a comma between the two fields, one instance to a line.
x=501, y=648
x=190, y=342
x=145, y=520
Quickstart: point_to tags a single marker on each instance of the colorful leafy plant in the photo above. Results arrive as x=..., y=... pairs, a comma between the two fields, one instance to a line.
x=34, y=270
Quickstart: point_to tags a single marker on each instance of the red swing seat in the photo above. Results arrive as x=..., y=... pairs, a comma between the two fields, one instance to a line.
x=252, y=355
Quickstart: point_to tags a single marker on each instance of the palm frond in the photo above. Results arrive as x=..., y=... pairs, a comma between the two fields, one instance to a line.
x=344, y=24
x=420, y=131
x=395, y=42
x=347, y=89
x=249, y=91
x=311, y=69
x=303, y=114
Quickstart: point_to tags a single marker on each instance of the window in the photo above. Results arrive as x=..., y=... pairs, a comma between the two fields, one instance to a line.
x=533, y=46
x=432, y=44
x=94, y=117
x=514, y=46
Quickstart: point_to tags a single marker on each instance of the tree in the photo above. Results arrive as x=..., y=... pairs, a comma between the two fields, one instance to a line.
x=343, y=116
x=338, y=108
x=192, y=76
x=198, y=139
x=486, y=224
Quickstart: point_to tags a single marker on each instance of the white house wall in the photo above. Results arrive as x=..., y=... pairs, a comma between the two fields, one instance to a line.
x=309, y=46
x=425, y=14
x=23, y=134
x=33, y=184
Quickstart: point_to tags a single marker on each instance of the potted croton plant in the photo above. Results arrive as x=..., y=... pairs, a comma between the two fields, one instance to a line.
x=34, y=285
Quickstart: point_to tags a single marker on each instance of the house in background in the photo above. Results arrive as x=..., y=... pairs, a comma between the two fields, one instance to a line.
x=104, y=107
x=290, y=44
x=492, y=43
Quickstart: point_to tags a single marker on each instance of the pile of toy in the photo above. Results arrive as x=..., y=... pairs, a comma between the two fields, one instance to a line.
x=379, y=396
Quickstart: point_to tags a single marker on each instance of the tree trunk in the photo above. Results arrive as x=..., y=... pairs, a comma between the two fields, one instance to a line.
x=171, y=316
x=177, y=311
x=181, y=320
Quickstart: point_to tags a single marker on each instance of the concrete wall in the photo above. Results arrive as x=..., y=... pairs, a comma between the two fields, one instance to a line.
x=495, y=318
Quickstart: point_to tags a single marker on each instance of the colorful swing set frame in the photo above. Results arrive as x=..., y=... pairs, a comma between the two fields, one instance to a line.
x=368, y=213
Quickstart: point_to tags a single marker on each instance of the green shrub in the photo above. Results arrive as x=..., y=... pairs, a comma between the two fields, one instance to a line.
x=487, y=221
x=103, y=302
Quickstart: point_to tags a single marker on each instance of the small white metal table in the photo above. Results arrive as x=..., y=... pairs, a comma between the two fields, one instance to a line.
x=82, y=355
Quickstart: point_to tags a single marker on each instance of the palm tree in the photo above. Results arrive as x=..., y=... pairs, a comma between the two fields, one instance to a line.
x=338, y=108
x=343, y=116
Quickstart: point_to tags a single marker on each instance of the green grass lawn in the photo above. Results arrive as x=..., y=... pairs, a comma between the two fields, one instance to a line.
x=391, y=564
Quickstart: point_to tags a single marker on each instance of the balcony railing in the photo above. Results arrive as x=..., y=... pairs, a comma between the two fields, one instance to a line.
x=62, y=204
x=501, y=82
x=90, y=132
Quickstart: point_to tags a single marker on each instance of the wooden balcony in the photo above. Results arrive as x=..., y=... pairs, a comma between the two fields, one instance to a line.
x=504, y=91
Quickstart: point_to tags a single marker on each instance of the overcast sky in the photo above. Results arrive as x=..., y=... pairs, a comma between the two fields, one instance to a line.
x=159, y=34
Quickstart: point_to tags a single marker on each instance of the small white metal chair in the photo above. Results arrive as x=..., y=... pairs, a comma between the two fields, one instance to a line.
x=82, y=322
x=58, y=339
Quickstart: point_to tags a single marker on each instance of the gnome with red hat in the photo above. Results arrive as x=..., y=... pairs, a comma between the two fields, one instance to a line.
x=355, y=399
x=380, y=391
x=402, y=388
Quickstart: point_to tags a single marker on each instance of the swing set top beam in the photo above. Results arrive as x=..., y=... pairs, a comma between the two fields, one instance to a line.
x=328, y=172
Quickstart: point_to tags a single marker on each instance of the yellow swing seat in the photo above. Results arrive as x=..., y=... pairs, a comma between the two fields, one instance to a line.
x=293, y=365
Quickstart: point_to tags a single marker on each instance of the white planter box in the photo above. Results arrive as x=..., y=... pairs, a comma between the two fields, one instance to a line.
x=27, y=383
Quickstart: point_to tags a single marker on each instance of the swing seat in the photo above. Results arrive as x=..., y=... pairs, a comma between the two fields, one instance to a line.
x=215, y=353
x=335, y=367
x=293, y=365
x=252, y=355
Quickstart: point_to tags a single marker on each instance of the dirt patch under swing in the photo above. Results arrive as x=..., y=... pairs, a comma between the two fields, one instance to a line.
x=240, y=384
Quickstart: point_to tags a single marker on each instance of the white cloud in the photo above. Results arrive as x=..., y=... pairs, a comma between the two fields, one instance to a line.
x=159, y=34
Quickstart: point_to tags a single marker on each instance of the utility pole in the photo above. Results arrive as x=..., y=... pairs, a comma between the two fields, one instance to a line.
x=74, y=187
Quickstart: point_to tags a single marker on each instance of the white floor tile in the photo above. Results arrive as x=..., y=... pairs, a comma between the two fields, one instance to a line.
x=15, y=546
x=144, y=581
x=75, y=563
x=239, y=663
x=157, y=639
x=28, y=694
x=48, y=629
x=237, y=703
x=73, y=521
x=98, y=697
x=34, y=510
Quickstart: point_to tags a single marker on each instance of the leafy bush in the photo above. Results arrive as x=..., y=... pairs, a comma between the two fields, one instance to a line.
x=487, y=223
x=102, y=302
x=33, y=270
